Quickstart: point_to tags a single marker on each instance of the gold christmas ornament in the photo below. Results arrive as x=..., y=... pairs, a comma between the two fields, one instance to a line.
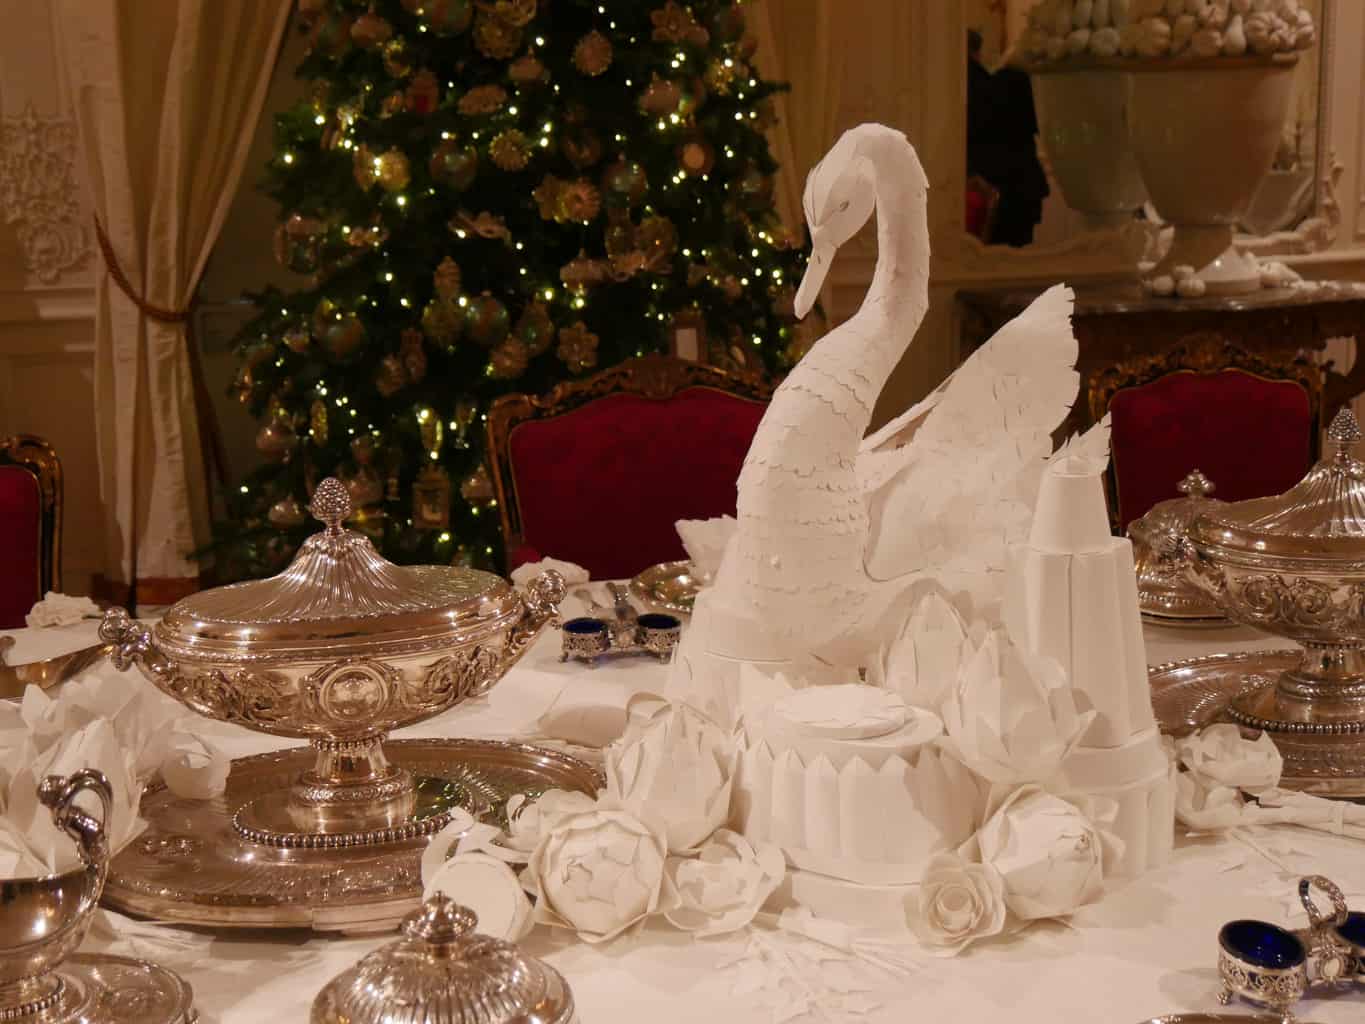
x=446, y=278
x=443, y=321
x=298, y=243
x=628, y=264
x=364, y=168
x=370, y=30
x=394, y=172
x=477, y=487
x=581, y=147
x=297, y=339
x=413, y=354
x=527, y=70
x=661, y=97
x=657, y=238
x=487, y=320
x=317, y=422
x=581, y=272
x=509, y=360
x=674, y=23
x=287, y=513
x=446, y=17
x=482, y=99
x=577, y=347
x=454, y=165
x=510, y=150
x=495, y=38
x=546, y=195
x=696, y=157
x=431, y=498
x=624, y=182
x=276, y=439
x=389, y=376
x=398, y=58
x=579, y=202
x=719, y=78
x=341, y=338
x=592, y=54
x=534, y=328
x=515, y=12
x=423, y=93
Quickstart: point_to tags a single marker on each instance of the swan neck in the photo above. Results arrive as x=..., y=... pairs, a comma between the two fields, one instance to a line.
x=901, y=277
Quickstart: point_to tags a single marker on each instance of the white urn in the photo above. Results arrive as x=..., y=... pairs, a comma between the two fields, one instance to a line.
x=1204, y=137
x=1083, y=128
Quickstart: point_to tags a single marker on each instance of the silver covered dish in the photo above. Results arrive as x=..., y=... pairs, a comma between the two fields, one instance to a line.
x=442, y=972
x=1165, y=596
x=340, y=648
x=1294, y=565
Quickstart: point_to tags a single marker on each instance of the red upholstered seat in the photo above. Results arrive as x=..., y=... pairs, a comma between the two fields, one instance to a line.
x=21, y=525
x=602, y=484
x=1251, y=436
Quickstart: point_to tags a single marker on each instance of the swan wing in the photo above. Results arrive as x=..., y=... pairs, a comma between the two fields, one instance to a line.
x=952, y=482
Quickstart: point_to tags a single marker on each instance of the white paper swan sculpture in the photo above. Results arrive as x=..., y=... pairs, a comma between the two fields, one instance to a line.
x=833, y=528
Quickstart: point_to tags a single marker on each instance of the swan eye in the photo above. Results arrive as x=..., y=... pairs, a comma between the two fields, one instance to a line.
x=843, y=206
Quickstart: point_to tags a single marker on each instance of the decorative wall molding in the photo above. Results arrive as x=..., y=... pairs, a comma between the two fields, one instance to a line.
x=39, y=195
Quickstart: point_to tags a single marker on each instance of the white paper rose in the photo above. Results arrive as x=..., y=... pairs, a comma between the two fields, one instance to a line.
x=1050, y=856
x=487, y=886
x=528, y=820
x=599, y=873
x=1221, y=756
x=724, y=887
x=1012, y=716
x=959, y=902
x=673, y=768
x=60, y=610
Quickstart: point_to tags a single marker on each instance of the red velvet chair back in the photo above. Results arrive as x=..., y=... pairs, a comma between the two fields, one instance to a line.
x=30, y=523
x=598, y=471
x=1252, y=432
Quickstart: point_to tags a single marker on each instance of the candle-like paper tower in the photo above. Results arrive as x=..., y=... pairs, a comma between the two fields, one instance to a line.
x=1072, y=596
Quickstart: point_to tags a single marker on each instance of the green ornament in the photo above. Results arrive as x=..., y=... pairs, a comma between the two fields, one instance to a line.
x=454, y=166
x=487, y=320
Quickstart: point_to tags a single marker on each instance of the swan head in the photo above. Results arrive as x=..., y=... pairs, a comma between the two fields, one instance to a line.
x=840, y=197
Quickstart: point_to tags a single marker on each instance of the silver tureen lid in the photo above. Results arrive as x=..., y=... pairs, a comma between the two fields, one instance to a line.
x=338, y=598
x=441, y=972
x=1321, y=518
x=1164, y=592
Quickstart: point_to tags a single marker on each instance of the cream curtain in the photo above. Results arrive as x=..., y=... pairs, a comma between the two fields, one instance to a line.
x=167, y=94
x=805, y=43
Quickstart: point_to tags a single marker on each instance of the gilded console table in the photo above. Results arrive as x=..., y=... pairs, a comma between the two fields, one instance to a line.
x=1117, y=324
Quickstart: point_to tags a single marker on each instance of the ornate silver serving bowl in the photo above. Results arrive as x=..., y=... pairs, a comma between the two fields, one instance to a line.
x=1294, y=565
x=1165, y=596
x=338, y=649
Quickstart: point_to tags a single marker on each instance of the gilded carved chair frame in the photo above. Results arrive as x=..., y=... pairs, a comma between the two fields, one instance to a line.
x=656, y=377
x=39, y=458
x=1204, y=353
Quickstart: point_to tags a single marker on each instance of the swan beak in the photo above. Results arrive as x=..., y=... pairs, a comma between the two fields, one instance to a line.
x=821, y=256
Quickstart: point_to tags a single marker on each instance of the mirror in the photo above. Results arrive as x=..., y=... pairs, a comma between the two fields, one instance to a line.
x=1012, y=193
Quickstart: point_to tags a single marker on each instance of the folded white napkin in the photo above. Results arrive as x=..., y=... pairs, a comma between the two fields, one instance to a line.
x=704, y=541
x=573, y=574
x=61, y=610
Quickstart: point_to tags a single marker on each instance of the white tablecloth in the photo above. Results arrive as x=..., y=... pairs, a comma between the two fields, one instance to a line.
x=1149, y=948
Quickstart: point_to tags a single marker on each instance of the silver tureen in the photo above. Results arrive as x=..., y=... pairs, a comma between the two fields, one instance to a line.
x=338, y=649
x=1294, y=565
x=1165, y=596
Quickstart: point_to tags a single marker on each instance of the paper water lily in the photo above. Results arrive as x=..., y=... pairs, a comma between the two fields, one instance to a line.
x=673, y=768
x=1011, y=716
x=923, y=660
x=599, y=873
x=1221, y=756
x=959, y=902
x=1050, y=855
x=725, y=885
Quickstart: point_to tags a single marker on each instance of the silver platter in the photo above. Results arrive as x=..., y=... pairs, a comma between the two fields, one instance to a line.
x=669, y=587
x=192, y=867
x=1186, y=621
x=99, y=989
x=1217, y=1018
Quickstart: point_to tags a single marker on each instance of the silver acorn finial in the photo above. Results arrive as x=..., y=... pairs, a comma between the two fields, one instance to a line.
x=1344, y=431
x=1196, y=485
x=331, y=503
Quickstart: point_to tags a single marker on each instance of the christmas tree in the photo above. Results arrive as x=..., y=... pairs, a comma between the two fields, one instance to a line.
x=494, y=197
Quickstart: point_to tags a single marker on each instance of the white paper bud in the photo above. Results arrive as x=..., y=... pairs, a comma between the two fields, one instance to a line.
x=1077, y=41
x=1221, y=756
x=1260, y=32
x=1154, y=38
x=1182, y=31
x=1104, y=42
x=1162, y=285
x=1234, y=37
x=1215, y=15
x=1207, y=42
x=1056, y=47
x=1191, y=287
